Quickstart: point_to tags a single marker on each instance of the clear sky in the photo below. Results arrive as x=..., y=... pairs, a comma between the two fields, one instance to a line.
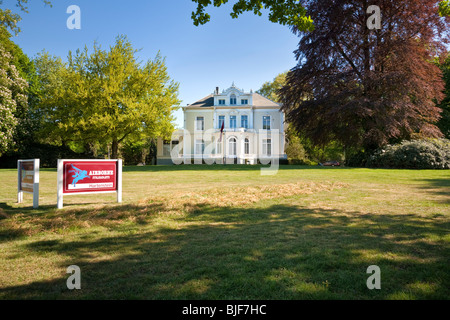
x=249, y=50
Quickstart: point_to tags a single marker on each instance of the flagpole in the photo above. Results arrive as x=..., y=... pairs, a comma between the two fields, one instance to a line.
x=225, y=150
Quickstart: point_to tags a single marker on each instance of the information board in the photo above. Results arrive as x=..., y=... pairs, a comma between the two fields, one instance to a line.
x=89, y=176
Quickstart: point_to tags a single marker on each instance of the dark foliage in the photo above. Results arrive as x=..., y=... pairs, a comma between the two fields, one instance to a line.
x=48, y=155
x=367, y=88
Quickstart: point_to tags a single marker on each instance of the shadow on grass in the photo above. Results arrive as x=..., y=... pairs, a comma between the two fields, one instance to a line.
x=440, y=187
x=279, y=251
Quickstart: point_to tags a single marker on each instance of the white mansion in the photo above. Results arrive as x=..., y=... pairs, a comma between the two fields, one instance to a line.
x=231, y=126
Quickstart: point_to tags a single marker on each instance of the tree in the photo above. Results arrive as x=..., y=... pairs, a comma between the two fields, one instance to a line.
x=13, y=98
x=269, y=88
x=106, y=96
x=288, y=12
x=444, y=8
x=28, y=121
x=10, y=20
x=365, y=88
x=444, y=122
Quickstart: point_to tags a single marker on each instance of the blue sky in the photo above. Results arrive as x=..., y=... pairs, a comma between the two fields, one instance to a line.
x=249, y=50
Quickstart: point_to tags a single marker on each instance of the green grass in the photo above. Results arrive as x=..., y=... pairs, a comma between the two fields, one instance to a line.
x=226, y=232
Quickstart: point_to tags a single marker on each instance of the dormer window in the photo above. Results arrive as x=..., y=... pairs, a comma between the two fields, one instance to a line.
x=233, y=99
x=221, y=102
x=244, y=101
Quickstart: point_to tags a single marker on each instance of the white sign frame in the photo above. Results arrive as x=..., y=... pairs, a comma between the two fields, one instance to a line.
x=35, y=193
x=60, y=178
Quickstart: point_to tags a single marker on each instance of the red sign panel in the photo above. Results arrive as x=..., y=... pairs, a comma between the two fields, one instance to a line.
x=89, y=176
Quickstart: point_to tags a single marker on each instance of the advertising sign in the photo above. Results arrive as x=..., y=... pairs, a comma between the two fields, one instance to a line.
x=89, y=176
x=28, y=180
x=82, y=177
x=26, y=176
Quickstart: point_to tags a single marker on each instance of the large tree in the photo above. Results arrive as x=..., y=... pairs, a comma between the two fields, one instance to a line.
x=288, y=12
x=13, y=94
x=106, y=96
x=269, y=89
x=362, y=87
x=27, y=119
x=444, y=122
x=285, y=12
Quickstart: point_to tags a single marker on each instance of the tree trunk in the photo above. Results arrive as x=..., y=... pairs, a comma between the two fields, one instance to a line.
x=115, y=149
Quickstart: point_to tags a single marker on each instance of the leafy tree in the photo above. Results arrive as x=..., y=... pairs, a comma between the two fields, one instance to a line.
x=444, y=122
x=269, y=88
x=10, y=20
x=444, y=8
x=288, y=12
x=28, y=120
x=299, y=148
x=106, y=96
x=13, y=98
x=285, y=12
x=366, y=88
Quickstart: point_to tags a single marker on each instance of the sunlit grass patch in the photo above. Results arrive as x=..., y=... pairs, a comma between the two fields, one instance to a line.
x=303, y=234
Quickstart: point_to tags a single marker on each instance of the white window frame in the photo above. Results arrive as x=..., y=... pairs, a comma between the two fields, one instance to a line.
x=200, y=119
x=219, y=121
x=235, y=122
x=199, y=143
x=232, y=146
x=246, y=146
x=264, y=122
x=219, y=147
x=267, y=147
x=246, y=121
x=233, y=100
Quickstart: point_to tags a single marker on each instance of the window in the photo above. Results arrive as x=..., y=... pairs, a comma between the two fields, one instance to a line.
x=266, y=122
x=246, y=146
x=199, y=146
x=200, y=123
x=174, y=144
x=244, y=122
x=244, y=101
x=267, y=147
x=232, y=147
x=233, y=99
x=166, y=148
x=233, y=122
x=221, y=102
x=221, y=121
x=219, y=147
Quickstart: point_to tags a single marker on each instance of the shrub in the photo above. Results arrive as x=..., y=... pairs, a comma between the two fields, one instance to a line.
x=48, y=155
x=415, y=154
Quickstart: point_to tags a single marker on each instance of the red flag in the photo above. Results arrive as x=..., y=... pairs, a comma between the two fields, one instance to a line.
x=221, y=131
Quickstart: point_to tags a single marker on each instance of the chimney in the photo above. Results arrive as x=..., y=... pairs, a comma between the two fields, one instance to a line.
x=217, y=90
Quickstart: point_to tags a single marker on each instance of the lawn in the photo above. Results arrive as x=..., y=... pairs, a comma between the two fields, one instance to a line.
x=227, y=232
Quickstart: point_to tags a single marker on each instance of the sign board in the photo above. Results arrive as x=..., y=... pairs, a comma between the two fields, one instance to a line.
x=28, y=180
x=88, y=177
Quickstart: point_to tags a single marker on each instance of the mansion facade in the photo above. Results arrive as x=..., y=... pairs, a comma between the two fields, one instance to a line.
x=232, y=126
